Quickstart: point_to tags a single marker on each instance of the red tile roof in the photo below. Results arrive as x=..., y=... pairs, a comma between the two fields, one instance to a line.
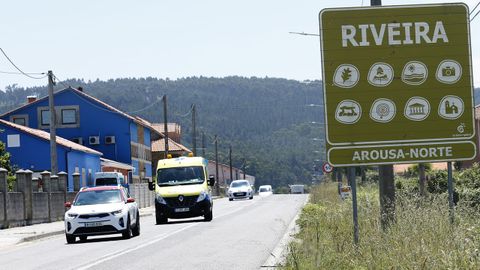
x=115, y=164
x=172, y=127
x=159, y=146
x=46, y=136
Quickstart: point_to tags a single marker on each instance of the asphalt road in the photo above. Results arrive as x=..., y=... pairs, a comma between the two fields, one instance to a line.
x=241, y=236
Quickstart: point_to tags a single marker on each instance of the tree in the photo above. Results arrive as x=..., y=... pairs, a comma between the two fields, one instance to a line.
x=4, y=158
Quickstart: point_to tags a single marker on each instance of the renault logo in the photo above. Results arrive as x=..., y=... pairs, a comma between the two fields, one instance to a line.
x=180, y=198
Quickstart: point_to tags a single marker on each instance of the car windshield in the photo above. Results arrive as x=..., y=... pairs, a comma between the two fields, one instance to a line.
x=98, y=197
x=180, y=176
x=240, y=184
x=263, y=189
x=106, y=181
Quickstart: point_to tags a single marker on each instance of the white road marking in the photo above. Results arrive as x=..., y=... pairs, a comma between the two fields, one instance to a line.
x=119, y=253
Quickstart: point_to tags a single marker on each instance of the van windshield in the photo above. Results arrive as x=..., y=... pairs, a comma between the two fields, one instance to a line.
x=106, y=181
x=180, y=176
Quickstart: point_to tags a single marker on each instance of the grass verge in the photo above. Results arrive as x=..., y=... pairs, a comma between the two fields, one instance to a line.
x=421, y=238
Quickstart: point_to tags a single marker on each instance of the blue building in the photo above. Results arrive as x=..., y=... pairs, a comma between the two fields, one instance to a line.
x=88, y=121
x=30, y=149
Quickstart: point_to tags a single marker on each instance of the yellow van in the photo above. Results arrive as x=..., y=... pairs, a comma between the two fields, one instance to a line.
x=182, y=189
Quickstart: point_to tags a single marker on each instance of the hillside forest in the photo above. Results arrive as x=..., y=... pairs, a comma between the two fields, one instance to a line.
x=275, y=126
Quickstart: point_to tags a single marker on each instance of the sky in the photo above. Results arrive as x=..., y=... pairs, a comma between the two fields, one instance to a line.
x=172, y=39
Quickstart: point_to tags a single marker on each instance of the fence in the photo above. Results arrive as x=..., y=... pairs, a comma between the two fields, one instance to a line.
x=41, y=200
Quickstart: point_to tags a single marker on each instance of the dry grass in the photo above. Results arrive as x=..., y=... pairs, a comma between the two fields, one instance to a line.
x=422, y=237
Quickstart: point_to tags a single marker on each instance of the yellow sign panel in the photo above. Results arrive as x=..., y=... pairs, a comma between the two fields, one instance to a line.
x=397, y=75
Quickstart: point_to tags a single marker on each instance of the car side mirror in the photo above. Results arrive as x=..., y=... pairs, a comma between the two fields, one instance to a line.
x=151, y=185
x=130, y=200
x=68, y=204
x=211, y=180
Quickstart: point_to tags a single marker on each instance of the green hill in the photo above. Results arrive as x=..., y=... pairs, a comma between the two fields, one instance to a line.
x=270, y=123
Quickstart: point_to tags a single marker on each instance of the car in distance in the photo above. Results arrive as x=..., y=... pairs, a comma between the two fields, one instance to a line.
x=265, y=190
x=99, y=211
x=240, y=189
x=297, y=189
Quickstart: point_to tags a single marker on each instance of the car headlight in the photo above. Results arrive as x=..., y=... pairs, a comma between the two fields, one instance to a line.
x=160, y=199
x=72, y=215
x=203, y=195
x=118, y=212
x=229, y=191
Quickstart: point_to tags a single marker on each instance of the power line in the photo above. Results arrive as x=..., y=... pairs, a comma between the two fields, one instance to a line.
x=304, y=34
x=184, y=115
x=474, y=16
x=18, y=73
x=60, y=81
x=146, y=108
x=21, y=71
x=473, y=10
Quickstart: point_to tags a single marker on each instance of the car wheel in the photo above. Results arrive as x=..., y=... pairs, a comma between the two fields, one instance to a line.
x=208, y=216
x=136, y=229
x=230, y=199
x=70, y=238
x=83, y=238
x=127, y=234
x=251, y=197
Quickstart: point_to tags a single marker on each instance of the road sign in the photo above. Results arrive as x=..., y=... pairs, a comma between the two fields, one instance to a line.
x=327, y=168
x=396, y=78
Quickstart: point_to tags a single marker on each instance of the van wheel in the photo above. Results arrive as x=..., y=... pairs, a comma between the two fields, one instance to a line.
x=70, y=238
x=251, y=198
x=161, y=220
x=127, y=234
x=83, y=238
x=136, y=229
x=230, y=199
x=158, y=216
x=208, y=216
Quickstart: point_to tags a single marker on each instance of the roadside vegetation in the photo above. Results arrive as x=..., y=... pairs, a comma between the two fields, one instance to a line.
x=421, y=238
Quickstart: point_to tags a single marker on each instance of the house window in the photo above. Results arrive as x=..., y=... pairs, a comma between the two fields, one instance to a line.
x=69, y=116
x=45, y=117
x=13, y=140
x=20, y=121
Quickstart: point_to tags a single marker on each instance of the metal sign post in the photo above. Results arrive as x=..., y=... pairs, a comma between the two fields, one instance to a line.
x=450, y=193
x=353, y=184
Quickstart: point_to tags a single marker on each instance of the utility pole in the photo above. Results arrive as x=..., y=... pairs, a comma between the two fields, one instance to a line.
x=203, y=144
x=230, y=157
x=194, y=135
x=217, y=182
x=165, y=124
x=244, y=168
x=386, y=183
x=53, y=131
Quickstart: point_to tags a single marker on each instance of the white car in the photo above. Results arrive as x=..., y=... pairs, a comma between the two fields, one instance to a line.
x=99, y=211
x=265, y=190
x=240, y=189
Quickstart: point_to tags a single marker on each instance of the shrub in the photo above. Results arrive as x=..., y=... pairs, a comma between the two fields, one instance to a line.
x=421, y=238
x=437, y=181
